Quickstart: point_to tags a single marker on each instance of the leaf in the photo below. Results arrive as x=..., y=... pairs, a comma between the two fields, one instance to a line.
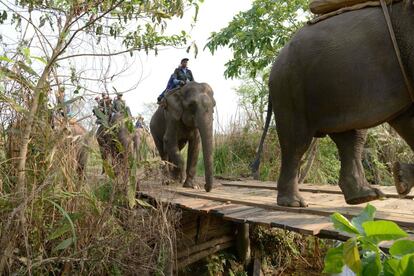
x=143, y=203
x=402, y=247
x=108, y=169
x=342, y=223
x=406, y=266
x=382, y=230
x=41, y=59
x=351, y=255
x=391, y=267
x=64, y=244
x=371, y=264
x=59, y=232
x=334, y=260
x=6, y=59
x=367, y=215
x=66, y=215
x=27, y=68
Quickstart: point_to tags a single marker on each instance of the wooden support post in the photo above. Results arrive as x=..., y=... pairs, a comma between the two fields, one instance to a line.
x=257, y=268
x=243, y=243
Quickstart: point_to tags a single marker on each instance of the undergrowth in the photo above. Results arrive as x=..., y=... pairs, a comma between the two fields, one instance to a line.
x=235, y=149
x=69, y=226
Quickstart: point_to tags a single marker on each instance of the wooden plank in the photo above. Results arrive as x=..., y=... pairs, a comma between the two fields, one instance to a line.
x=226, y=206
x=229, y=211
x=301, y=223
x=310, y=188
x=240, y=216
x=203, y=254
x=350, y=211
x=200, y=247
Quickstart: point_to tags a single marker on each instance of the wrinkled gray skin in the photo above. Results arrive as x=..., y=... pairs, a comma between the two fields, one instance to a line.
x=116, y=143
x=187, y=117
x=337, y=78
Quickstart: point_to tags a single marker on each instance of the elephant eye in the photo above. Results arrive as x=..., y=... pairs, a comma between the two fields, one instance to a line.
x=192, y=107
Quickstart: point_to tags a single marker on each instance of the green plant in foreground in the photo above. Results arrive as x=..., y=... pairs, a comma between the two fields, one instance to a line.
x=362, y=253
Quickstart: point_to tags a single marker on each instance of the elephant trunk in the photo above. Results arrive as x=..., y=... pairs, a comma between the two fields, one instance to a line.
x=205, y=127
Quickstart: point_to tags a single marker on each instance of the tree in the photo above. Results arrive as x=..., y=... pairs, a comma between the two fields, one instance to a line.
x=256, y=36
x=38, y=63
x=252, y=99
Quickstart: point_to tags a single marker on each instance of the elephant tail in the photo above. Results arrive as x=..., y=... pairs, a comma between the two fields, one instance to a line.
x=254, y=166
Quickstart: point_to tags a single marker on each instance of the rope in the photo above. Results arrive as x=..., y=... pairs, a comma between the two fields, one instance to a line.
x=397, y=50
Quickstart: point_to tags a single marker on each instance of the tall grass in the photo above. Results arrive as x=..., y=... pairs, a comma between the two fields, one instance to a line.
x=74, y=226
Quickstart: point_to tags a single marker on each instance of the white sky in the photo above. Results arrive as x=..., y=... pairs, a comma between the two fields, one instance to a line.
x=156, y=70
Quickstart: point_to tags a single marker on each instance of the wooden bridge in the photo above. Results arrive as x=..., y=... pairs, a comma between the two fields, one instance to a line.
x=220, y=219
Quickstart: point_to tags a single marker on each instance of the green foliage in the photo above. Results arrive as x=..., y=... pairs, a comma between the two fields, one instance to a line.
x=362, y=253
x=234, y=151
x=257, y=35
x=288, y=253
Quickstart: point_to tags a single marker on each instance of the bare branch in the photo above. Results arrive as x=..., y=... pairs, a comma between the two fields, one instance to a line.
x=101, y=54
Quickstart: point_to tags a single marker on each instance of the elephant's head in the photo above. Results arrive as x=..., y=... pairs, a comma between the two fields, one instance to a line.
x=194, y=105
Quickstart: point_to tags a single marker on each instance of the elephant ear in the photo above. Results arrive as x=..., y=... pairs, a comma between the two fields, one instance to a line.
x=174, y=105
x=211, y=95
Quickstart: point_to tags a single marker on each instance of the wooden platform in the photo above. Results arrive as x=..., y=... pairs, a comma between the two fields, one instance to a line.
x=253, y=202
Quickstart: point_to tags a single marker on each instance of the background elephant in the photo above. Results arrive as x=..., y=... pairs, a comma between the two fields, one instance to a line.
x=337, y=78
x=79, y=139
x=116, y=142
x=187, y=116
x=75, y=140
x=144, y=144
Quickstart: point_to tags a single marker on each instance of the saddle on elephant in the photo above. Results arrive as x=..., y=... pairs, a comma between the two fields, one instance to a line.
x=328, y=8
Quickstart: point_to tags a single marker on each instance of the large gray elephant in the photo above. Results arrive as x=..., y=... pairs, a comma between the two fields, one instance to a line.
x=186, y=116
x=339, y=77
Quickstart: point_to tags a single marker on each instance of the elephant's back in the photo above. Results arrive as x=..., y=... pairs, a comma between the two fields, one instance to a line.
x=340, y=72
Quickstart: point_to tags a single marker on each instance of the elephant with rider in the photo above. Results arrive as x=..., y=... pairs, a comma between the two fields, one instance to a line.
x=186, y=117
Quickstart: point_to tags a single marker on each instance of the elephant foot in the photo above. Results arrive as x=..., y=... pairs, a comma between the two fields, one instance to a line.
x=208, y=187
x=364, y=194
x=190, y=184
x=293, y=200
x=403, y=178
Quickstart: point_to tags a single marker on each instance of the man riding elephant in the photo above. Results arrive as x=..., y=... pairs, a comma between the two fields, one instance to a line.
x=120, y=106
x=114, y=137
x=181, y=76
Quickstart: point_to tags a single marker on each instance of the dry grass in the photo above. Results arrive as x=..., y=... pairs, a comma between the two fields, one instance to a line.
x=78, y=227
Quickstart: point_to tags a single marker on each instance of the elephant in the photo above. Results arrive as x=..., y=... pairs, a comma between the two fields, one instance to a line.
x=76, y=138
x=186, y=116
x=339, y=77
x=144, y=144
x=116, y=143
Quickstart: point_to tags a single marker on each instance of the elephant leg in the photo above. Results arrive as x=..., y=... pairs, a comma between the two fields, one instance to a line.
x=159, y=144
x=294, y=144
x=404, y=173
x=192, y=158
x=352, y=177
x=174, y=156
